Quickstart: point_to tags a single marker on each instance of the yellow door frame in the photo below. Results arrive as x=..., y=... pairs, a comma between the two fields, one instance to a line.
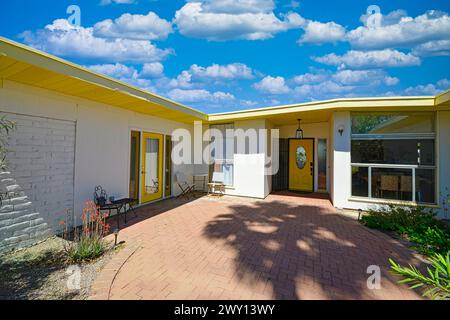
x=137, y=155
x=310, y=164
x=157, y=195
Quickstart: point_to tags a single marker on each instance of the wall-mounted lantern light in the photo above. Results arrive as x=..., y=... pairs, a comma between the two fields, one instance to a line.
x=299, y=131
x=341, y=129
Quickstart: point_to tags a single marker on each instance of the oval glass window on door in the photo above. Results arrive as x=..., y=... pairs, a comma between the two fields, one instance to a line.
x=300, y=157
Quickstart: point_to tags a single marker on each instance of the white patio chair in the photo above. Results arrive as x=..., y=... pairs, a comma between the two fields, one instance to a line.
x=217, y=185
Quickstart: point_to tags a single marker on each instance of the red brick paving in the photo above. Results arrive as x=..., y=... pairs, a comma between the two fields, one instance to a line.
x=283, y=247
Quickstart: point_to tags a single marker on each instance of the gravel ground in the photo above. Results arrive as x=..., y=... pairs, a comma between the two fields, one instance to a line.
x=39, y=273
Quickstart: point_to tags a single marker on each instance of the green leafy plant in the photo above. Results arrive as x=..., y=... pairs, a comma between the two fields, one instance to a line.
x=87, y=243
x=435, y=284
x=417, y=224
x=433, y=240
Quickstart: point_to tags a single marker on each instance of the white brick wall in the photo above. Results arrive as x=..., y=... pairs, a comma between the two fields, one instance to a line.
x=37, y=187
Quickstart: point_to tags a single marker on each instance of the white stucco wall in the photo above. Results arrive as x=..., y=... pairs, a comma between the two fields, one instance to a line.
x=341, y=159
x=249, y=178
x=443, y=143
x=102, y=143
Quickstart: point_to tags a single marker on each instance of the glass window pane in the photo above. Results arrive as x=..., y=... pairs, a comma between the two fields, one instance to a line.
x=151, y=166
x=425, y=186
x=426, y=152
x=360, y=181
x=396, y=151
x=379, y=123
x=322, y=165
x=390, y=183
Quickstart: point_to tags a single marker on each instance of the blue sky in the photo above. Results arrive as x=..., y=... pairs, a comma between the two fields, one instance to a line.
x=227, y=55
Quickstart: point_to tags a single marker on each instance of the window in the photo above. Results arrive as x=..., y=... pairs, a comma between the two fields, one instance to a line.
x=224, y=162
x=393, y=157
x=322, y=164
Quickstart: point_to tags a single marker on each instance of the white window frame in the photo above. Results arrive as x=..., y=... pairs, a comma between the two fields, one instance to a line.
x=396, y=136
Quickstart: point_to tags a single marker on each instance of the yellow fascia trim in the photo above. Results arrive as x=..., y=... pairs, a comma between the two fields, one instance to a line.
x=349, y=103
x=47, y=61
x=442, y=98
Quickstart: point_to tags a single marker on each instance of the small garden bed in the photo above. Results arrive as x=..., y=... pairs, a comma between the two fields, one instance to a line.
x=428, y=236
x=41, y=272
x=59, y=268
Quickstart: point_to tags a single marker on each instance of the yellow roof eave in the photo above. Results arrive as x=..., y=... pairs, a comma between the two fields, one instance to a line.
x=44, y=60
x=333, y=104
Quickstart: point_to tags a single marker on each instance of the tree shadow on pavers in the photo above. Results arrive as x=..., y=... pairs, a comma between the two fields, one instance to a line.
x=23, y=276
x=301, y=249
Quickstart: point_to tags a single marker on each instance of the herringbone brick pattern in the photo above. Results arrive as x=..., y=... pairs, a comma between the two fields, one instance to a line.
x=283, y=247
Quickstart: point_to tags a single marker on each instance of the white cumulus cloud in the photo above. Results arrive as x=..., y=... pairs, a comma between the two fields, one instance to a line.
x=433, y=48
x=134, y=26
x=152, y=70
x=400, y=31
x=62, y=38
x=428, y=89
x=199, y=95
x=209, y=20
x=272, y=85
x=369, y=59
x=116, y=70
x=318, y=32
x=216, y=71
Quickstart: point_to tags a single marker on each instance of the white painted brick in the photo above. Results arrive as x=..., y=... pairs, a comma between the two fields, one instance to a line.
x=41, y=176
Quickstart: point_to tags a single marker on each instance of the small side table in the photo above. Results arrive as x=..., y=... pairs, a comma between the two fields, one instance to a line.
x=200, y=178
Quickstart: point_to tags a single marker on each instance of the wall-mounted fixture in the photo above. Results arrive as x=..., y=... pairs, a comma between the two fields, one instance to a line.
x=299, y=131
x=341, y=129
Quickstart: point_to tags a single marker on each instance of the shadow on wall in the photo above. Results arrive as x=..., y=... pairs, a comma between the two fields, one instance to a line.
x=20, y=224
x=305, y=251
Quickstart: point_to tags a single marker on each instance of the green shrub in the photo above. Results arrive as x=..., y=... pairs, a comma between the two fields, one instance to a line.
x=436, y=284
x=433, y=240
x=416, y=223
x=398, y=219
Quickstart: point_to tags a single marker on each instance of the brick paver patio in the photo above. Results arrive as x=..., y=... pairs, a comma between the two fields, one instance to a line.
x=283, y=247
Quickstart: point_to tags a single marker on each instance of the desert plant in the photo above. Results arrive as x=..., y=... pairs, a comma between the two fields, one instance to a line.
x=436, y=284
x=86, y=242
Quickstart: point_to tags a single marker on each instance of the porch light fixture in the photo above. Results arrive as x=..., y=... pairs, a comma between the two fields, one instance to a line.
x=341, y=129
x=299, y=131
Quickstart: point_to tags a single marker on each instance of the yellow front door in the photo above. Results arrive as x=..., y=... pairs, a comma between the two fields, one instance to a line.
x=301, y=164
x=152, y=166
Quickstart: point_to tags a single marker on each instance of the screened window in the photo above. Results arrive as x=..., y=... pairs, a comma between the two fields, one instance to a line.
x=393, y=156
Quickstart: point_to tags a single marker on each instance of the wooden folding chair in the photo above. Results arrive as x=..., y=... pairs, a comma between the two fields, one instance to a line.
x=186, y=188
